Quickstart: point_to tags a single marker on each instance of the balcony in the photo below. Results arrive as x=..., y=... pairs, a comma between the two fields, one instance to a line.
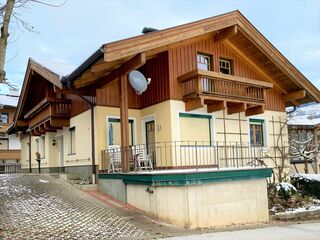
x=221, y=91
x=49, y=115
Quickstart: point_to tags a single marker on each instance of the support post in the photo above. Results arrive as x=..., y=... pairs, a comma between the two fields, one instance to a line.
x=124, y=122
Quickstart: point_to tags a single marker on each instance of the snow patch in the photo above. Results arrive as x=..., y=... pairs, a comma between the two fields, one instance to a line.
x=43, y=181
x=310, y=177
x=286, y=186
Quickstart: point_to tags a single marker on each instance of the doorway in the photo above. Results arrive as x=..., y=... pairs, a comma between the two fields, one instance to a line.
x=150, y=139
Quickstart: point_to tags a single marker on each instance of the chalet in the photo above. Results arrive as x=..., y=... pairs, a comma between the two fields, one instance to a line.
x=193, y=149
x=9, y=144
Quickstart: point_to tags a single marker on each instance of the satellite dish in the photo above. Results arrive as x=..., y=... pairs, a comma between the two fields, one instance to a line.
x=138, y=81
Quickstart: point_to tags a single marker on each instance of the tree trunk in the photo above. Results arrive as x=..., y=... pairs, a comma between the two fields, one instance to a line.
x=306, y=170
x=4, y=37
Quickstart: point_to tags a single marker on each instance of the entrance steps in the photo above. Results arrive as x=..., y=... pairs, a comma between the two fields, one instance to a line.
x=76, y=181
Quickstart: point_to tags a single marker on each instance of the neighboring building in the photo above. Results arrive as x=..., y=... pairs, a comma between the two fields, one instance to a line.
x=213, y=110
x=304, y=123
x=9, y=144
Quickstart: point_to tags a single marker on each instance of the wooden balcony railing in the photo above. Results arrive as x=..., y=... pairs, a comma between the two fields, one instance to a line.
x=201, y=82
x=48, y=108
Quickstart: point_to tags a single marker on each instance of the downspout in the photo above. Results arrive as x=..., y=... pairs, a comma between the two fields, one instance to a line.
x=93, y=156
x=30, y=169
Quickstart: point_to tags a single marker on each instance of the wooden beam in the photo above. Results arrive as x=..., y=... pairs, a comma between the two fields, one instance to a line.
x=59, y=122
x=194, y=104
x=35, y=132
x=125, y=165
x=41, y=129
x=255, y=66
x=226, y=33
x=216, y=106
x=88, y=78
x=49, y=128
x=255, y=110
x=294, y=96
x=22, y=123
x=237, y=108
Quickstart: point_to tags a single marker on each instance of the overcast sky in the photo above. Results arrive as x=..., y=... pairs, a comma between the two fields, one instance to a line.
x=71, y=33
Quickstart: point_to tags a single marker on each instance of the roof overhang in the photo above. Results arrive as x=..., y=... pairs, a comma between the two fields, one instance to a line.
x=116, y=53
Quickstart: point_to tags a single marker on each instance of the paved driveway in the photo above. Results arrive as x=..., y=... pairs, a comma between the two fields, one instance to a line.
x=295, y=231
x=33, y=207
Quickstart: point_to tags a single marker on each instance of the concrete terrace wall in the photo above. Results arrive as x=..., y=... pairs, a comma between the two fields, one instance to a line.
x=207, y=205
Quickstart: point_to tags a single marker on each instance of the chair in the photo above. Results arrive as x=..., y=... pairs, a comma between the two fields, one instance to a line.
x=114, y=164
x=141, y=159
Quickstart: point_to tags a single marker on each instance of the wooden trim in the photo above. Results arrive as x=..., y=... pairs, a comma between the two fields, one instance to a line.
x=237, y=108
x=255, y=110
x=294, y=96
x=106, y=78
x=226, y=33
x=131, y=46
x=204, y=73
x=194, y=104
x=216, y=106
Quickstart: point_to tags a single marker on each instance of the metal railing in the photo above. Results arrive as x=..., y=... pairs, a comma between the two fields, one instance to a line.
x=187, y=155
x=9, y=168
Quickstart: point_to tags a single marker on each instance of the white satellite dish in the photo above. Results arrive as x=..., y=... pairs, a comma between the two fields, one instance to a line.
x=138, y=81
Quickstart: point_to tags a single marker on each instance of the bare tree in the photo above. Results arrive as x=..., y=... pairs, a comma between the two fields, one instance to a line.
x=307, y=150
x=8, y=11
x=280, y=156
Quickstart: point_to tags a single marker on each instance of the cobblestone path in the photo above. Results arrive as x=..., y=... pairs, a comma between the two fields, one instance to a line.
x=39, y=207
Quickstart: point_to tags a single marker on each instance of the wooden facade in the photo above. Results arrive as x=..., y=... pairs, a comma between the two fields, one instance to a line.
x=166, y=67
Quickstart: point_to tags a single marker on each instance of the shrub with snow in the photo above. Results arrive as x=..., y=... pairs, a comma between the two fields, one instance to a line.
x=308, y=184
x=285, y=190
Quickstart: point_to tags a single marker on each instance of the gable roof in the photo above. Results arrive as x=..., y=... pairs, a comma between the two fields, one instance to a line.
x=45, y=72
x=113, y=54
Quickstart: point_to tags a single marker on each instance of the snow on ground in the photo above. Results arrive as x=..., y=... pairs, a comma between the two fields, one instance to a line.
x=311, y=177
x=308, y=208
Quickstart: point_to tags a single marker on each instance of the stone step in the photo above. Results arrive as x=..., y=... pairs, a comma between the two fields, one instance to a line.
x=72, y=176
x=74, y=181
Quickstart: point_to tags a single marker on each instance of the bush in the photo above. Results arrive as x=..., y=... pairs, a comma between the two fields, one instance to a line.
x=285, y=190
x=307, y=184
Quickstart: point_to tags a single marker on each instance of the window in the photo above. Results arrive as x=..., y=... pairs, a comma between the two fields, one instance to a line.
x=195, y=127
x=204, y=62
x=114, y=134
x=256, y=132
x=225, y=66
x=72, y=140
x=4, y=143
x=4, y=118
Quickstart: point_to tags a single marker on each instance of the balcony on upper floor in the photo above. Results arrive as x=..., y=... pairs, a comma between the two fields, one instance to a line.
x=50, y=114
x=221, y=91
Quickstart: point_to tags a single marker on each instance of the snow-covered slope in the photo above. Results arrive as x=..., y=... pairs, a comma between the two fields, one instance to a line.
x=307, y=114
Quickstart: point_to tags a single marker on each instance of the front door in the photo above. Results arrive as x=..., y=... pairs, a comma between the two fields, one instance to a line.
x=151, y=139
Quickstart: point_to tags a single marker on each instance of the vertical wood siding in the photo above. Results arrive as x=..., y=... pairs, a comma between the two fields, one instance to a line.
x=158, y=90
x=183, y=59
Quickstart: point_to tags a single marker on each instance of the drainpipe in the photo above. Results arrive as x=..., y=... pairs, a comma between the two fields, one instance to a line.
x=93, y=146
x=93, y=156
x=30, y=169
